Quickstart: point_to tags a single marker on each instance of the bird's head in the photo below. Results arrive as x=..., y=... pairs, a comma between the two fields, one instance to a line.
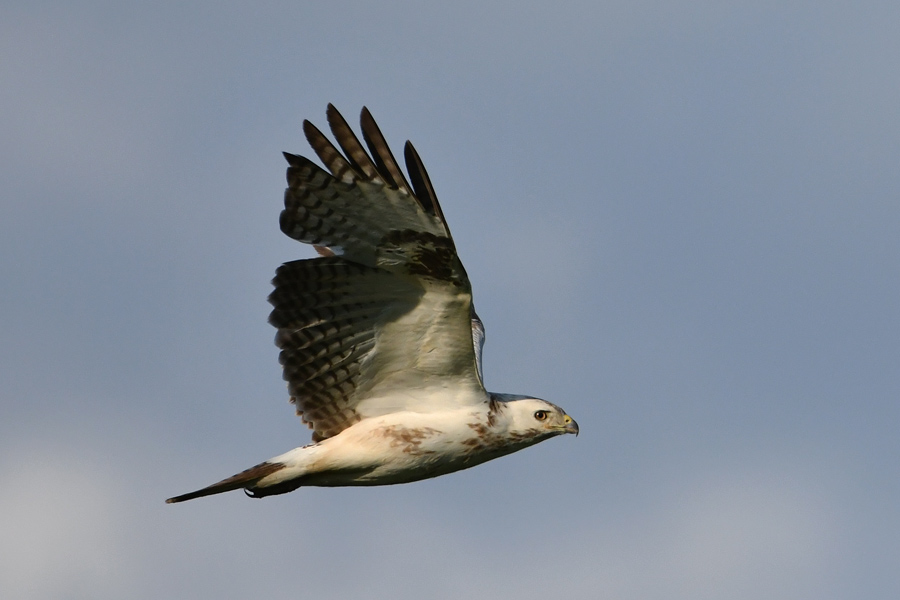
x=536, y=417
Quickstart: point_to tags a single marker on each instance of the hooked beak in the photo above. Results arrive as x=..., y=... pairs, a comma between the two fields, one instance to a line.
x=571, y=425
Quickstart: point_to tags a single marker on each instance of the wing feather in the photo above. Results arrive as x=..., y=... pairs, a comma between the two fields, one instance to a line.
x=478, y=336
x=327, y=311
x=422, y=183
x=384, y=159
x=339, y=166
x=385, y=314
x=349, y=143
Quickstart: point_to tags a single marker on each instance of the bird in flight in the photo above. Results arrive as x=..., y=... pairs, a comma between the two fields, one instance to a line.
x=380, y=343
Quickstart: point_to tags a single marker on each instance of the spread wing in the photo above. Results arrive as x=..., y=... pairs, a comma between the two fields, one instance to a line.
x=383, y=319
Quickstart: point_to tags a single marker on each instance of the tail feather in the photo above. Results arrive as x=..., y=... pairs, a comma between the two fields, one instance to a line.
x=244, y=479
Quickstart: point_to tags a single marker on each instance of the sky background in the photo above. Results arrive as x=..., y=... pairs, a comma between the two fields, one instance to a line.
x=681, y=222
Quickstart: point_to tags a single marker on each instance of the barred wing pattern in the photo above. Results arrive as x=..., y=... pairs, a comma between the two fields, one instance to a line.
x=386, y=313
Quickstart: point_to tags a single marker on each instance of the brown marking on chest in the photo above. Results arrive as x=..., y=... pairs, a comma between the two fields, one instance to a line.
x=494, y=408
x=486, y=438
x=408, y=439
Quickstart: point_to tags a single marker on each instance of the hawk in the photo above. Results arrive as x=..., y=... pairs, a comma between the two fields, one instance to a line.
x=380, y=344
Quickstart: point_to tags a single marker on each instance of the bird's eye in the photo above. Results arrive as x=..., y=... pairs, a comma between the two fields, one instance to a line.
x=540, y=415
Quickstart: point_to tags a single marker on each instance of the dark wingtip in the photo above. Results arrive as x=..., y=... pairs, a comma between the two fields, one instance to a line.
x=347, y=140
x=310, y=130
x=333, y=115
x=293, y=159
x=422, y=183
x=381, y=153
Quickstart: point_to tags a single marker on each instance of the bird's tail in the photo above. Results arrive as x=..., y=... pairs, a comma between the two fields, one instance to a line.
x=245, y=479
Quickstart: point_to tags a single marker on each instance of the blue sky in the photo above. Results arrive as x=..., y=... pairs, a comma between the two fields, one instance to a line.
x=681, y=222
